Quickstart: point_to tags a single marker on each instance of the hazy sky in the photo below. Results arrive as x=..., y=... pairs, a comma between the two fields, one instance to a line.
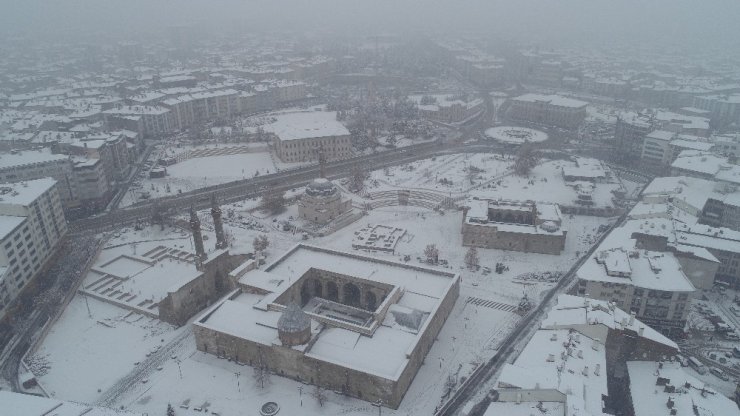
x=693, y=22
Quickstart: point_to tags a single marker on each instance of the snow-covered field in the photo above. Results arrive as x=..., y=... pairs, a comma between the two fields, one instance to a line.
x=491, y=178
x=109, y=341
x=449, y=173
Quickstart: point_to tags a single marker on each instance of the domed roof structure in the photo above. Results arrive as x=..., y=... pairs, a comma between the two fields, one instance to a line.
x=293, y=320
x=321, y=187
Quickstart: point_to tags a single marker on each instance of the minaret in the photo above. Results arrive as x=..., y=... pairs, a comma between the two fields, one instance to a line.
x=322, y=162
x=200, y=253
x=217, y=223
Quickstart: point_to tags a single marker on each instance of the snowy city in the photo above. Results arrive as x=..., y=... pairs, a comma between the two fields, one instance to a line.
x=352, y=208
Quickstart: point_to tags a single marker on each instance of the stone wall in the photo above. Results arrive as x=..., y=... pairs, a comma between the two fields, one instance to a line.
x=489, y=236
x=180, y=305
x=293, y=363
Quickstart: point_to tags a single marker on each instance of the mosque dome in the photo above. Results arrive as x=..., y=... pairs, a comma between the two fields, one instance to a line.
x=294, y=326
x=321, y=187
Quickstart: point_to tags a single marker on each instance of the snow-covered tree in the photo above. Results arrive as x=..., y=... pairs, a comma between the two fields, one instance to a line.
x=274, y=200
x=170, y=410
x=526, y=159
x=261, y=373
x=320, y=395
x=471, y=257
x=260, y=243
x=357, y=180
x=432, y=253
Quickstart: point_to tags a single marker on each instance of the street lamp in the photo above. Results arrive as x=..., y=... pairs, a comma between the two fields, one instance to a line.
x=300, y=394
x=238, y=387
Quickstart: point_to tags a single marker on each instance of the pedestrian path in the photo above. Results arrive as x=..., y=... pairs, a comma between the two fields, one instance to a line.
x=490, y=304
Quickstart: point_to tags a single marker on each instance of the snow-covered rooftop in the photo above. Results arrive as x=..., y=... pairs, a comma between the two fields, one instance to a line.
x=689, y=396
x=29, y=157
x=19, y=404
x=618, y=261
x=385, y=352
x=24, y=193
x=556, y=100
x=306, y=125
x=577, y=312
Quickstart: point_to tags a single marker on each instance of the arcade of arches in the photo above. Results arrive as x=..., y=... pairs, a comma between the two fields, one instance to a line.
x=339, y=288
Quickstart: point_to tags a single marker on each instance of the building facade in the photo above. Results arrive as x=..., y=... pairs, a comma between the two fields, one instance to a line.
x=291, y=314
x=31, y=223
x=513, y=225
x=551, y=110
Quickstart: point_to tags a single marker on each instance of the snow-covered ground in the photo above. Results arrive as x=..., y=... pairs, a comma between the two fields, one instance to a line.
x=492, y=178
x=448, y=173
x=111, y=341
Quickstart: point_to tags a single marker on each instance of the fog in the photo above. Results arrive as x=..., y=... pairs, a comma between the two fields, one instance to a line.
x=688, y=24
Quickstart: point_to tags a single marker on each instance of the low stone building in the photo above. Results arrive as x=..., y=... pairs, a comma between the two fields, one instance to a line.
x=353, y=324
x=322, y=202
x=513, y=225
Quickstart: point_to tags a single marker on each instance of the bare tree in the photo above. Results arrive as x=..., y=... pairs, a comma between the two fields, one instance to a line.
x=320, y=395
x=432, y=253
x=274, y=200
x=260, y=243
x=471, y=258
x=357, y=180
x=261, y=373
x=526, y=159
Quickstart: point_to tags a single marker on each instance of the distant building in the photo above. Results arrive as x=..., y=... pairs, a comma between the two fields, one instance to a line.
x=149, y=121
x=551, y=110
x=290, y=317
x=298, y=136
x=514, y=225
x=35, y=164
x=446, y=107
x=31, y=225
x=629, y=135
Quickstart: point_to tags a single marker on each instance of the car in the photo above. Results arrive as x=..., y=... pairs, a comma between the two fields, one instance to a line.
x=719, y=373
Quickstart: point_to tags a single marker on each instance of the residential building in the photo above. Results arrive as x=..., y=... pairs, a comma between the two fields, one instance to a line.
x=573, y=362
x=667, y=388
x=34, y=164
x=31, y=225
x=651, y=284
x=551, y=110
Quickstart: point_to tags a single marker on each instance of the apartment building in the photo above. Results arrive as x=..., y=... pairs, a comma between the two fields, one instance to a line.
x=31, y=225
x=551, y=110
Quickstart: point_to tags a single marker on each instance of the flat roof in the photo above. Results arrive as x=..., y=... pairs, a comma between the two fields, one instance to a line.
x=384, y=353
x=25, y=192
x=650, y=399
x=306, y=125
x=553, y=99
x=8, y=223
x=647, y=269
